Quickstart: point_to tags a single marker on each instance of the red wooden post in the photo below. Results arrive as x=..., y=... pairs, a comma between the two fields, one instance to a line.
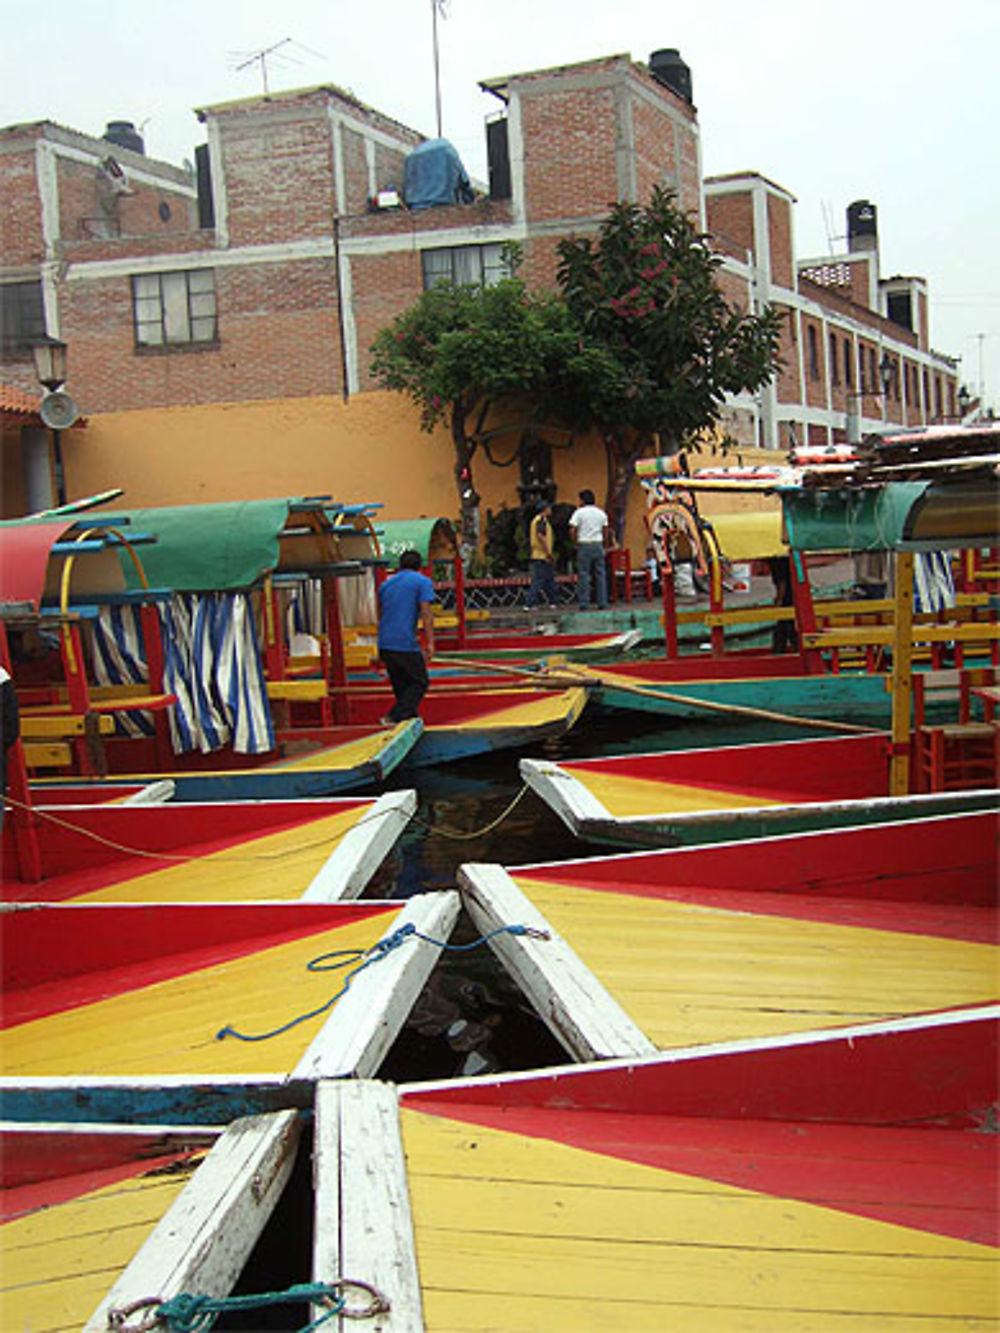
x=23, y=821
x=77, y=689
x=152, y=637
x=338, y=659
x=805, y=610
x=460, y=599
x=669, y=609
x=716, y=604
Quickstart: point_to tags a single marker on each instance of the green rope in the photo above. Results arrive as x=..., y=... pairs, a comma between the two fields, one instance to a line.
x=185, y=1313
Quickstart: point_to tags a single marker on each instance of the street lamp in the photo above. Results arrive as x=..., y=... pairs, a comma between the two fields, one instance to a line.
x=57, y=410
x=50, y=362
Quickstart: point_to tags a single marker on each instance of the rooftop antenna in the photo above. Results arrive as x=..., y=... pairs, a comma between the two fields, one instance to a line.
x=436, y=6
x=262, y=56
x=827, y=211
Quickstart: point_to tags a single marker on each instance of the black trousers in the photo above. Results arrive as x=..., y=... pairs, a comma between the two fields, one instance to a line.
x=409, y=681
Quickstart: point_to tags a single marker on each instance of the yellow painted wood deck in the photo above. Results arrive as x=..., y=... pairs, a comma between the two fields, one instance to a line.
x=169, y=1027
x=563, y=707
x=623, y=796
x=58, y=1263
x=275, y=866
x=521, y=1234
x=338, y=757
x=688, y=974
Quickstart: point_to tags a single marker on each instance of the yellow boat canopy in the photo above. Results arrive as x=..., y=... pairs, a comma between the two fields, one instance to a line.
x=748, y=536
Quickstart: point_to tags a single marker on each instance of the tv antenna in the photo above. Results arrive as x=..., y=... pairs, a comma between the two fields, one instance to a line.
x=261, y=57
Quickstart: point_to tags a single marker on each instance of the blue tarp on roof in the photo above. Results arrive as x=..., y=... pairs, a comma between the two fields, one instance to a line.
x=433, y=175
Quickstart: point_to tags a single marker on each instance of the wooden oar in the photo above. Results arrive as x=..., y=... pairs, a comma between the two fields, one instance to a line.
x=569, y=674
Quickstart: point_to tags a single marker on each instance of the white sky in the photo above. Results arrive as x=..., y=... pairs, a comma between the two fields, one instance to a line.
x=896, y=101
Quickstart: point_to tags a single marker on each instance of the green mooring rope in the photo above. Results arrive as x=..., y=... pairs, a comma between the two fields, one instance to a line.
x=185, y=1313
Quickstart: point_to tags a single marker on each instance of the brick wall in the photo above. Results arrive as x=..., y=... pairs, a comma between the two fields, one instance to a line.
x=278, y=176
x=779, y=227
x=730, y=217
x=21, y=240
x=569, y=153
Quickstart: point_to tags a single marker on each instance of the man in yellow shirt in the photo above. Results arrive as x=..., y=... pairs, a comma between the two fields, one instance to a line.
x=542, y=558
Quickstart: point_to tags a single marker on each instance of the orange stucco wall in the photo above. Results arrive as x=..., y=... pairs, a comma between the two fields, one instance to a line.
x=370, y=449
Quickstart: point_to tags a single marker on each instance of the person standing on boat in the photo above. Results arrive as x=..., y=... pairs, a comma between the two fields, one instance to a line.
x=541, y=536
x=405, y=602
x=589, y=525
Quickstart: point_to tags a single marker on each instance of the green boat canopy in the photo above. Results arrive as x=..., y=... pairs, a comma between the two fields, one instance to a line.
x=914, y=516
x=229, y=546
x=431, y=538
x=197, y=547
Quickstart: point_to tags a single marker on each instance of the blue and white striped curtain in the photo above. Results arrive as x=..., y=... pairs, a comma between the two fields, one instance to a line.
x=119, y=657
x=933, y=581
x=211, y=663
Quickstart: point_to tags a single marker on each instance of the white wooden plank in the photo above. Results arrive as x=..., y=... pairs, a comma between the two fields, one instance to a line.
x=203, y=1241
x=154, y=793
x=582, y=1015
x=362, y=849
x=365, y=1021
x=364, y=1228
x=569, y=798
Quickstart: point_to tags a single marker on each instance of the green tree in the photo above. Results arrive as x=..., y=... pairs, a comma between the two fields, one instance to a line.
x=645, y=293
x=466, y=353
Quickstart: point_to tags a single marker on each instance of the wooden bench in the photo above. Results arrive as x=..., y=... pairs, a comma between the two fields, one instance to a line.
x=959, y=755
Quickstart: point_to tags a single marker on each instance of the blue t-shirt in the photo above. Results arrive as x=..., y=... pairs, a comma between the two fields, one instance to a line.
x=399, y=601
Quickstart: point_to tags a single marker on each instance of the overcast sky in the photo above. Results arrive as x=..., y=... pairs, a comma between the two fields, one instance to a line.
x=895, y=101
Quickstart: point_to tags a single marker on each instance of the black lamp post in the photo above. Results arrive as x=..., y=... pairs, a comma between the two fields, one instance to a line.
x=50, y=356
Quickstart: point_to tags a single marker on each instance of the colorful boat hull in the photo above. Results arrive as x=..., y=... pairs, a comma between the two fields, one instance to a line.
x=735, y=792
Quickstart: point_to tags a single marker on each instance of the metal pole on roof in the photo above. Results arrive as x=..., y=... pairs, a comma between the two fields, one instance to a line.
x=435, y=6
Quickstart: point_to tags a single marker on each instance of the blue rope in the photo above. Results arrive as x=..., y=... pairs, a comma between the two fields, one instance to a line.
x=363, y=958
x=197, y=1314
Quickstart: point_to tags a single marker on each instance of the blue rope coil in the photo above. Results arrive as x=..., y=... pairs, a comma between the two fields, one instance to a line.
x=364, y=958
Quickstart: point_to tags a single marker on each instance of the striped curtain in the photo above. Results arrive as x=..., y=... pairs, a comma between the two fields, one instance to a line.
x=933, y=583
x=119, y=658
x=211, y=663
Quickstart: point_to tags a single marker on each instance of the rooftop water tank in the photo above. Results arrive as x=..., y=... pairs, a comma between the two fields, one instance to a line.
x=668, y=68
x=862, y=225
x=125, y=135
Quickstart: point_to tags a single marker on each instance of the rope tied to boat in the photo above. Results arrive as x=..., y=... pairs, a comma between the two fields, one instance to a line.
x=187, y=1313
x=364, y=958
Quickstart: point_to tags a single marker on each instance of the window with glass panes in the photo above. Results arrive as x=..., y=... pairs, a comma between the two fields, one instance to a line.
x=172, y=309
x=464, y=265
x=22, y=315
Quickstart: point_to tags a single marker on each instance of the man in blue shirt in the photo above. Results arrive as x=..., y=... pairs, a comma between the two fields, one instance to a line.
x=404, y=602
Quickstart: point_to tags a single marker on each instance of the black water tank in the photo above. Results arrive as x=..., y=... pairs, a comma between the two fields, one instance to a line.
x=125, y=135
x=862, y=225
x=668, y=68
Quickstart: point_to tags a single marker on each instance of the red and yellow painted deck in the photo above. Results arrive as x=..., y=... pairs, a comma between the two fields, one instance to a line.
x=229, y=852
x=96, y=1218
x=76, y=1209
x=737, y=791
x=747, y=940
x=823, y=1182
x=139, y=994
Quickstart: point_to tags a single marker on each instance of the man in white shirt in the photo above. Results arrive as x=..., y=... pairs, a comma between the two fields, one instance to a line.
x=589, y=525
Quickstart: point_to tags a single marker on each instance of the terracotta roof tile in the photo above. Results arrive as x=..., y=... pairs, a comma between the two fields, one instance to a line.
x=18, y=402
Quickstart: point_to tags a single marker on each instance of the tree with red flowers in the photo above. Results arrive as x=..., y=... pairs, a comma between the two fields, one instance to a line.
x=646, y=293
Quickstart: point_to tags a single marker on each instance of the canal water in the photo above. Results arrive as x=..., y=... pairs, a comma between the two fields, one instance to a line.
x=471, y=1018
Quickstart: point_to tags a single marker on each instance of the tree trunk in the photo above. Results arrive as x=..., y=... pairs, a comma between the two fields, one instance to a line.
x=620, y=459
x=468, y=497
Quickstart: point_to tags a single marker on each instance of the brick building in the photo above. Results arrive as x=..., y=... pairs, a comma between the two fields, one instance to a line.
x=264, y=271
